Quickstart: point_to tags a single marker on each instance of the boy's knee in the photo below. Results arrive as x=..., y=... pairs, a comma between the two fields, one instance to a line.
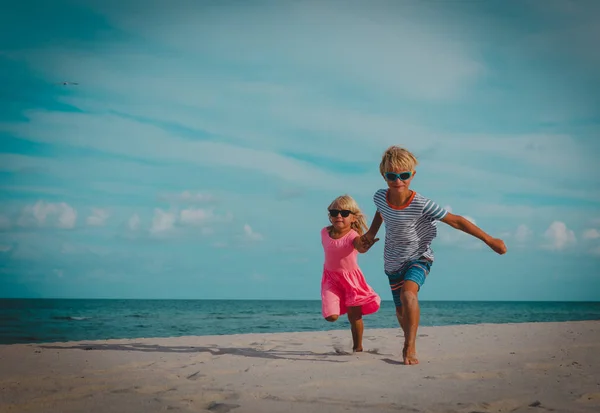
x=408, y=296
x=332, y=318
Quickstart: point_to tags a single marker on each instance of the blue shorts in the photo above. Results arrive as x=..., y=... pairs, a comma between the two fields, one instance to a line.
x=415, y=271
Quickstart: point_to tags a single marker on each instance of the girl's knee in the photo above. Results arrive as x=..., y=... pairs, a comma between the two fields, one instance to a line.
x=354, y=317
x=332, y=318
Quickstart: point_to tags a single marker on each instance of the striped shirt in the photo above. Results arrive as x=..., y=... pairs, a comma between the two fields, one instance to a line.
x=409, y=230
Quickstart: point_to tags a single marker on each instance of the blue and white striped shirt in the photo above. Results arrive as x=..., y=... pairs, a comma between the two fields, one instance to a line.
x=409, y=230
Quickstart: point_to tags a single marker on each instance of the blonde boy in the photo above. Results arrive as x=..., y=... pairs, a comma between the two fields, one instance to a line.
x=410, y=227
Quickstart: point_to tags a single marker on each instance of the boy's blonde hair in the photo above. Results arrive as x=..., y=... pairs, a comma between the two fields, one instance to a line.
x=347, y=202
x=396, y=157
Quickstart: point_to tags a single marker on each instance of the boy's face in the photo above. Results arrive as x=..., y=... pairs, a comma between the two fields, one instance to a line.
x=399, y=179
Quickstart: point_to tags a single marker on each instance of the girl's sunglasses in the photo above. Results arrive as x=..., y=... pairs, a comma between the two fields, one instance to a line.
x=335, y=212
x=403, y=176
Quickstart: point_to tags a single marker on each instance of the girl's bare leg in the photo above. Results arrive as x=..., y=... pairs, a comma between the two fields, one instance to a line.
x=357, y=327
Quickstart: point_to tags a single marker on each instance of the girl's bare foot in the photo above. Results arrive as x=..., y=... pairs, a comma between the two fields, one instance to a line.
x=409, y=354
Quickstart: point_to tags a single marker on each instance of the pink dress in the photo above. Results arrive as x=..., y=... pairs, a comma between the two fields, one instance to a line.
x=343, y=284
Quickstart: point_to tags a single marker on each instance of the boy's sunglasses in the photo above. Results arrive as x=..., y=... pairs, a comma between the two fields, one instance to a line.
x=403, y=176
x=335, y=212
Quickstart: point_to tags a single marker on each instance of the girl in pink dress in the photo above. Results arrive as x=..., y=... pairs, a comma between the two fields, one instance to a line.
x=343, y=285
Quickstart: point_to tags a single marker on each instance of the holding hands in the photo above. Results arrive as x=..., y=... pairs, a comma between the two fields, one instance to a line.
x=368, y=240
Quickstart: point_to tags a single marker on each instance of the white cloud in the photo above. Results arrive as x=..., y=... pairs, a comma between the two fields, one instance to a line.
x=59, y=215
x=250, y=234
x=162, y=221
x=523, y=233
x=559, y=236
x=98, y=217
x=195, y=216
x=591, y=233
x=133, y=223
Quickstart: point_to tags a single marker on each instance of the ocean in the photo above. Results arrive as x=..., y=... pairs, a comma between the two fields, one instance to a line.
x=58, y=320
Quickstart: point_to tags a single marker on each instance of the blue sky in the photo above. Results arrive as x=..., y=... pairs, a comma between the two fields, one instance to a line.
x=198, y=154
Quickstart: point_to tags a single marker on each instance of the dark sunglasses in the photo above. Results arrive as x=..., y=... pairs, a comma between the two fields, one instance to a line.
x=335, y=212
x=403, y=176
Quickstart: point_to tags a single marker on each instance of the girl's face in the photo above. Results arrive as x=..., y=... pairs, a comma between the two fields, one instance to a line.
x=341, y=218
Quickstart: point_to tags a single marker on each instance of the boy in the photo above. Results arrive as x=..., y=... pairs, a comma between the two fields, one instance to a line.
x=410, y=227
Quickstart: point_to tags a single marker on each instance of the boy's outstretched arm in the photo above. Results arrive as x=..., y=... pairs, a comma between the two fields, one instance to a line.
x=463, y=224
x=368, y=239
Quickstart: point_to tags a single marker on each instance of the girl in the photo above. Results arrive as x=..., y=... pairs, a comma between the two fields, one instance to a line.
x=343, y=285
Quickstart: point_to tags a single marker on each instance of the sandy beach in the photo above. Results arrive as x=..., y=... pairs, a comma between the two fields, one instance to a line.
x=471, y=368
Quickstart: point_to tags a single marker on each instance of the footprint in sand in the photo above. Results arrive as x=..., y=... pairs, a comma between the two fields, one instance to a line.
x=222, y=407
x=340, y=350
x=195, y=376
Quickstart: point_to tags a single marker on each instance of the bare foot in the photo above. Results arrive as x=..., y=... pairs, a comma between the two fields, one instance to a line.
x=357, y=350
x=409, y=354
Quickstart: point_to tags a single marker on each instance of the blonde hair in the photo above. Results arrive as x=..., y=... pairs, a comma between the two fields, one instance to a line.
x=347, y=202
x=398, y=158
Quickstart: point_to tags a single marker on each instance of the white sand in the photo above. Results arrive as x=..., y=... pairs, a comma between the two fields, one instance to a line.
x=481, y=368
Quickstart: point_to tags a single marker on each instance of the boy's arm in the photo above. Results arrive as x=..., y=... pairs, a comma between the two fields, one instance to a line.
x=361, y=246
x=375, y=225
x=463, y=224
x=368, y=239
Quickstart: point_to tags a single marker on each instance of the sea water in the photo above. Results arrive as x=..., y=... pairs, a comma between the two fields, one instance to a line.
x=54, y=320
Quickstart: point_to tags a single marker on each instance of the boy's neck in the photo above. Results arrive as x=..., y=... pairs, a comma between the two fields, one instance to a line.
x=399, y=198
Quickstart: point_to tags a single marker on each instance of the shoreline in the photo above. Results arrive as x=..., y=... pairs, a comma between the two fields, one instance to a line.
x=336, y=330
x=519, y=367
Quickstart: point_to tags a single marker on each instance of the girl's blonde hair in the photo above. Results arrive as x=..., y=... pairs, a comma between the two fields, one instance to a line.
x=347, y=202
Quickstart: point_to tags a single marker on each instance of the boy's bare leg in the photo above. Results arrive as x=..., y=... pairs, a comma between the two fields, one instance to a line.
x=409, y=319
x=357, y=327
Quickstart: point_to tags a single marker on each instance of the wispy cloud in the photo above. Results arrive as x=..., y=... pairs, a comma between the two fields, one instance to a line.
x=196, y=122
x=189, y=197
x=98, y=217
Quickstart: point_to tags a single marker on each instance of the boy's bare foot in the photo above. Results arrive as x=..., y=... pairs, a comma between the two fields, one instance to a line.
x=357, y=350
x=409, y=355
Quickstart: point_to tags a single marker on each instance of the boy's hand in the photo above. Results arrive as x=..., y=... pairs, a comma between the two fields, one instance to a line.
x=368, y=240
x=497, y=245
